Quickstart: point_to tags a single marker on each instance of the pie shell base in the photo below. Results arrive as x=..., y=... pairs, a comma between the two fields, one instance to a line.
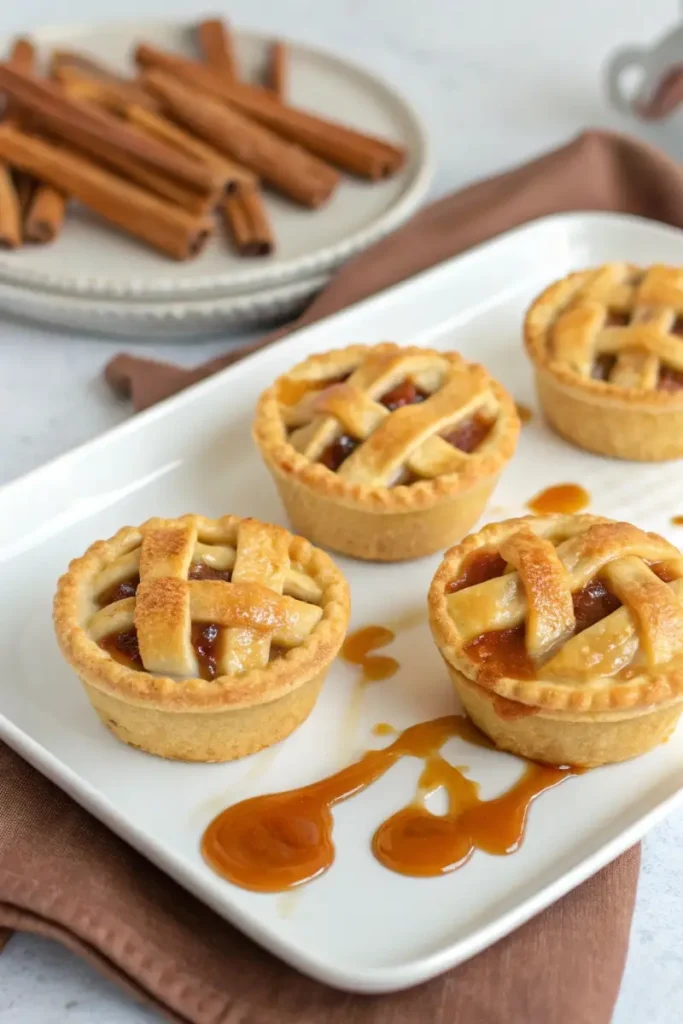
x=608, y=427
x=211, y=736
x=373, y=536
x=560, y=739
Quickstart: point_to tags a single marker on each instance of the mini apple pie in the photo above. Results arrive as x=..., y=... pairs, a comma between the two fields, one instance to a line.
x=384, y=452
x=563, y=636
x=202, y=639
x=607, y=346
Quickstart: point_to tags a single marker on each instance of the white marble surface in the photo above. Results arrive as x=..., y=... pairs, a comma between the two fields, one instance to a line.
x=497, y=82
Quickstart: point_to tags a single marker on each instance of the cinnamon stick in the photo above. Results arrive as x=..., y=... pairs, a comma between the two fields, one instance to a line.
x=354, y=151
x=43, y=207
x=14, y=190
x=93, y=130
x=23, y=54
x=68, y=64
x=217, y=46
x=235, y=175
x=113, y=95
x=278, y=69
x=45, y=215
x=99, y=93
x=285, y=167
x=10, y=210
x=247, y=222
x=152, y=179
x=163, y=226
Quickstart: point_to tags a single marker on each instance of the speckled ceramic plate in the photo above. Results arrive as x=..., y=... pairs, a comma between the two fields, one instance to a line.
x=91, y=259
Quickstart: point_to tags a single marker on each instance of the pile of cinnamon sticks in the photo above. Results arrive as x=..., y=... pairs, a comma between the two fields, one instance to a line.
x=158, y=153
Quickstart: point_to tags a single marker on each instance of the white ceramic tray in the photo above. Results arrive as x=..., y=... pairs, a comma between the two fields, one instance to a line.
x=359, y=926
x=93, y=260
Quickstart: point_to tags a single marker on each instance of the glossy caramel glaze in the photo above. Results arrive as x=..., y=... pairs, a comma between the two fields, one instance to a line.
x=383, y=729
x=338, y=451
x=123, y=647
x=202, y=571
x=469, y=434
x=502, y=653
x=358, y=648
x=670, y=379
x=204, y=638
x=592, y=603
x=480, y=567
x=567, y=498
x=406, y=393
x=416, y=842
x=119, y=591
x=272, y=843
x=603, y=366
x=524, y=412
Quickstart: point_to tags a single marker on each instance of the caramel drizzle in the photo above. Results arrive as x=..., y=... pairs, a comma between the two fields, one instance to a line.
x=358, y=647
x=276, y=842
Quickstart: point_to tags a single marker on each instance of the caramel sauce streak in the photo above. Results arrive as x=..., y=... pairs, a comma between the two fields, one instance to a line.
x=272, y=843
x=358, y=648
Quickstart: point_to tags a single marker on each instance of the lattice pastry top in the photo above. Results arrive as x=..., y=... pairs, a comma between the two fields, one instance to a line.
x=222, y=611
x=387, y=424
x=570, y=613
x=614, y=327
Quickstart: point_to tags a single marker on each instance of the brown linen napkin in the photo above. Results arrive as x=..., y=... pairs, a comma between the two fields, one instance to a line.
x=597, y=171
x=64, y=875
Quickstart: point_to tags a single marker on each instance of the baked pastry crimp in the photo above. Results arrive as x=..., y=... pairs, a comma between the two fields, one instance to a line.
x=563, y=636
x=202, y=639
x=607, y=347
x=384, y=452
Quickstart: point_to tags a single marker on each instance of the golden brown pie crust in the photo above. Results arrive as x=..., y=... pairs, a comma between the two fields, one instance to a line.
x=624, y=324
x=283, y=592
x=404, y=491
x=585, y=695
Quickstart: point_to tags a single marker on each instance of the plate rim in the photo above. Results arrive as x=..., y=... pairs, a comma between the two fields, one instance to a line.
x=252, y=278
x=140, y=322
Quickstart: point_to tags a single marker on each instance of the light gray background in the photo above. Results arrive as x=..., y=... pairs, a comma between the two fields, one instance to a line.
x=497, y=81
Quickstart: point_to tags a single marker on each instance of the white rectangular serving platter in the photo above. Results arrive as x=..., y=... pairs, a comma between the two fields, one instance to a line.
x=359, y=927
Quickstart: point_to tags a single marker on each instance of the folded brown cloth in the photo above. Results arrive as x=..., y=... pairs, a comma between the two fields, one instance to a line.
x=64, y=875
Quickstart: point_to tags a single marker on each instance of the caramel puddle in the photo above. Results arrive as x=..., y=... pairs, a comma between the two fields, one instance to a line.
x=276, y=842
x=567, y=498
